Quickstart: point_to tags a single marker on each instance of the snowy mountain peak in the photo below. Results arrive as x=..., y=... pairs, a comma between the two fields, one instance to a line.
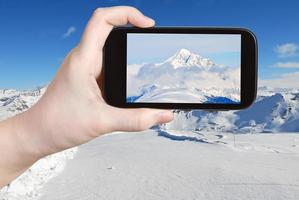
x=184, y=52
x=186, y=58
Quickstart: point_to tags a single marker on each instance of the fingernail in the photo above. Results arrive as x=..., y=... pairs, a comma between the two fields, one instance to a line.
x=150, y=19
x=165, y=116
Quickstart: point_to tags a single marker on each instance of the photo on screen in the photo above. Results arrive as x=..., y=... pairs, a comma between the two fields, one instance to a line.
x=183, y=68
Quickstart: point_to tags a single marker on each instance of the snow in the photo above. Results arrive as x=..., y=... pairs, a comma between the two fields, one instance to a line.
x=200, y=155
x=181, y=165
x=13, y=102
x=185, y=58
x=275, y=110
x=194, y=77
x=27, y=186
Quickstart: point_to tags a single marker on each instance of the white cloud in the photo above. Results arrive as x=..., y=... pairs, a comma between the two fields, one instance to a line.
x=287, y=80
x=287, y=49
x=69, y=32
x=287, y=64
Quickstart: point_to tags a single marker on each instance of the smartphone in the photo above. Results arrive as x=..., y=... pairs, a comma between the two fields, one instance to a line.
x=180, y=68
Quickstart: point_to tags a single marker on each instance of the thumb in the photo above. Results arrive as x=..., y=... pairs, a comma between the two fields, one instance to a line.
x=137, y=119
x=104, y=19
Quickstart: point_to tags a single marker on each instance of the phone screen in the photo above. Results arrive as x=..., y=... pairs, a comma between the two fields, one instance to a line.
x=183, y=68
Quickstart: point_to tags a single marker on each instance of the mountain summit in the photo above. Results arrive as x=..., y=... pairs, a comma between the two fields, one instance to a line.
x=184, y=77
x=185, y=58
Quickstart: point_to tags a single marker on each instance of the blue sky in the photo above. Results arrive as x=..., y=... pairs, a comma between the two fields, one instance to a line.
x=36, y=35
x=155, y=48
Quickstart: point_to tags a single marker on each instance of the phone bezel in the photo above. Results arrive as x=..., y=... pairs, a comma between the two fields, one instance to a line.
x=115, y=67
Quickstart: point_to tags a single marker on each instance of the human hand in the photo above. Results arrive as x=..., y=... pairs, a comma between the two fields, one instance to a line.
x=73, y=111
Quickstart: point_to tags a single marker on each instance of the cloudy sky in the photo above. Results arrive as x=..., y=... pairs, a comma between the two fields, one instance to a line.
x=36, y=35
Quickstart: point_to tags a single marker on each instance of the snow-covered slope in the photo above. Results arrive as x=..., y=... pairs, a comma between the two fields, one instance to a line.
x=27, y=186
x=184, y=58
x=275, y=110
x=153, y=171
x=181, y=165
x=184, y=77
x=13, y=102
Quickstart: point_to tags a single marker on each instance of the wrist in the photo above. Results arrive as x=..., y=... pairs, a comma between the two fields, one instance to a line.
x=16, y=155
x=24, y=138
x=38, y=132
x=18, y=149
x=30, y=135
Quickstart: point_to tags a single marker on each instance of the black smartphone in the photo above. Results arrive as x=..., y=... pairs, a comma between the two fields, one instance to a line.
x=180, y=68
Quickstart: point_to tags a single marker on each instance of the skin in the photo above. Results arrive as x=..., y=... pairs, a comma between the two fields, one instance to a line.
x=72, y=111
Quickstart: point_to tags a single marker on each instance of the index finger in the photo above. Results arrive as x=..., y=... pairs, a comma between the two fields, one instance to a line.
x=103, y=21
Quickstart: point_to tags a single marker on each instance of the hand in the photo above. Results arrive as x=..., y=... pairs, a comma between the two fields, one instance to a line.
x=72, y=111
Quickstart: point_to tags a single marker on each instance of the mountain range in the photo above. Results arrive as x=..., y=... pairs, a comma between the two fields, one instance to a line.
x=183, y=77
x=275, y=110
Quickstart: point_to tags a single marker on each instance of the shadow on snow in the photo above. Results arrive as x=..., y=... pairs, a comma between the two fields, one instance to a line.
x=181, y=137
